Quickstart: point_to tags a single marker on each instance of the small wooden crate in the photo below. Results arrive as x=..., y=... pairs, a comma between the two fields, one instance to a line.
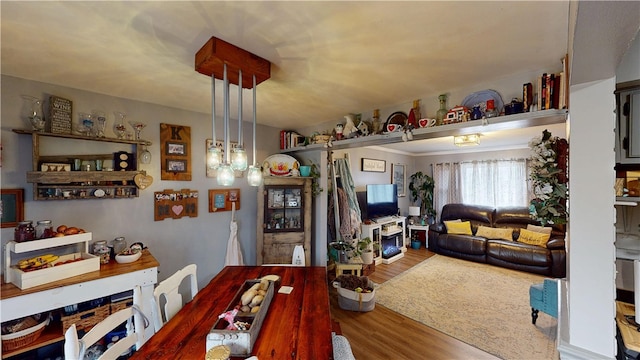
x=29, y=279
x=241, y=341
x=85, y=320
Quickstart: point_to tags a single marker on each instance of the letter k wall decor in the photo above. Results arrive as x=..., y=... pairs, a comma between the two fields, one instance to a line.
x=175, y=152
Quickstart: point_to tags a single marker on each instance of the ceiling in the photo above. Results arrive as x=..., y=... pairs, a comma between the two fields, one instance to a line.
x=328, y=58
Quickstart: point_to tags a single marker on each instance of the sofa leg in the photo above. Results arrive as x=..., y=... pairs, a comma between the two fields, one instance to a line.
x=534, y=316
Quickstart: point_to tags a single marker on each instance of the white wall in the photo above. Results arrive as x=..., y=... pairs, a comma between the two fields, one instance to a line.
x=175, y=243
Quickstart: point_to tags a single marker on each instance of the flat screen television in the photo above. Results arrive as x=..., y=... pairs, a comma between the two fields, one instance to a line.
x=382, y=200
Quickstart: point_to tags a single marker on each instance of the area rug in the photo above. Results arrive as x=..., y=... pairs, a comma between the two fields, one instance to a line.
x=482, y=305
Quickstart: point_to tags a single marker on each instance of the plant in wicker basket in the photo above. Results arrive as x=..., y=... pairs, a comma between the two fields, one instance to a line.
x=354, y=283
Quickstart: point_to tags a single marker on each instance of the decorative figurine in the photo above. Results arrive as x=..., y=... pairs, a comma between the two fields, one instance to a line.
x=350, y=129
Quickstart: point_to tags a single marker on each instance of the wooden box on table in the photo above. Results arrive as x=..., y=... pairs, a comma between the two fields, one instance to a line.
x=241, y=341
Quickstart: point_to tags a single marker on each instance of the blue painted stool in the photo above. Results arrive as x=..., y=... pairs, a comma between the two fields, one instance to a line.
x=544, y=297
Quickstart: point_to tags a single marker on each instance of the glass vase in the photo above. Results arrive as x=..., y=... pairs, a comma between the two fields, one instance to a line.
x=120, y=127
x=442, y=111
x=32, y=111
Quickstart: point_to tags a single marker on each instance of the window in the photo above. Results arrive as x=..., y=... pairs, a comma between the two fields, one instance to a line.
x=492, y=183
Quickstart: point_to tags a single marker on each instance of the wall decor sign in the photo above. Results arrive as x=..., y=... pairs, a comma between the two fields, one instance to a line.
x=399, y=177
x=60, y=111
x=11, y=207
x=220, y=145
x=175, y=152
x=222, y=199
x=175, y=204
x=373, y=165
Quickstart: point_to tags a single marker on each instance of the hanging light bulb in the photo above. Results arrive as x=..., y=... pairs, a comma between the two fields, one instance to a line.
x=226, y=175
x=238, y=155
x=214, y=155
x=254, y=175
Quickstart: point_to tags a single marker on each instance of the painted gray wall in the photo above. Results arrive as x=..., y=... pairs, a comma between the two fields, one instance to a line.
x=175, y=243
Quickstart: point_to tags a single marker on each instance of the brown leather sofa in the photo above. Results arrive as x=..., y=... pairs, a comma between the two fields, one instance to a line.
x=548, y=261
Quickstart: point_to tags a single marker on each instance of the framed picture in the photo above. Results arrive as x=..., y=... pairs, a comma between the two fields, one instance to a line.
x=176, y=148
x=11, y=207
x=373, y=165
x=175, y=152
x=399, y=177
x=177, y=165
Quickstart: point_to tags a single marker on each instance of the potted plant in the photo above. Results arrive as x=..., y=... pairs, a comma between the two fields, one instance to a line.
x=341, y=251
x=365, y=248
x=421, y=187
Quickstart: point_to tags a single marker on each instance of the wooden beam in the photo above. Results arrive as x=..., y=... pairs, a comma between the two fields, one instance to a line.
x=210, y=60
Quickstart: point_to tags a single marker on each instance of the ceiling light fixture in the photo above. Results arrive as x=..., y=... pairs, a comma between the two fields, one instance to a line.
x=466, y=140
x=222, y=60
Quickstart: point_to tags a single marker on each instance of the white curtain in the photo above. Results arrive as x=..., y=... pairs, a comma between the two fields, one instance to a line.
x=492, y=182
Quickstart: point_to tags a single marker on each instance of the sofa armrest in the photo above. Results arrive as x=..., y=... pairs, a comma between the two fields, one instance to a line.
x=556, y=244
x=439, y=228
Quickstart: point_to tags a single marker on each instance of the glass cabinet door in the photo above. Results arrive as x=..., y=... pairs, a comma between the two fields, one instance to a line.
x=284, y=209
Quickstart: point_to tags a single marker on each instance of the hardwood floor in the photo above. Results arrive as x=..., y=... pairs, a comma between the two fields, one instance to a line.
x=385, y=334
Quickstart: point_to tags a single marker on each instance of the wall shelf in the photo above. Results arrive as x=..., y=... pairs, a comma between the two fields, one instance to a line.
x=51, y=185
x=507, y=122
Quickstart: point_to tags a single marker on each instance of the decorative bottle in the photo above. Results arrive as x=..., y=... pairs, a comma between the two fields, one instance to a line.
x=377, y=126
x=442, y=112
x=491, y=109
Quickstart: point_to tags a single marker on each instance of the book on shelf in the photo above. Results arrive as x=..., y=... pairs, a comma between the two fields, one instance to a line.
x=290, y=139
x=551, y=91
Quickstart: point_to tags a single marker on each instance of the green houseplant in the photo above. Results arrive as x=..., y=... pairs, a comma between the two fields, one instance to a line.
x=365, y=248
x=421, y=187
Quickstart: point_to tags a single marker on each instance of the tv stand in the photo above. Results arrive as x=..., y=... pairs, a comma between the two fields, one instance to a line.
x=389, y=234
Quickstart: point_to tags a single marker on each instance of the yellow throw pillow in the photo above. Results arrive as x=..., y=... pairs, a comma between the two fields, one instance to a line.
x=495, y=233
x=540, y=229
x=533, y=238
x=458, y=227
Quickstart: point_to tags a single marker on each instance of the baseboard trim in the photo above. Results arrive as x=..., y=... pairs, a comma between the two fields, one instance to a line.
x=571, y=352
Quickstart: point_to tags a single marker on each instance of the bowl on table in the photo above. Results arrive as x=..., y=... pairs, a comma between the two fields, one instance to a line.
x=128, y=256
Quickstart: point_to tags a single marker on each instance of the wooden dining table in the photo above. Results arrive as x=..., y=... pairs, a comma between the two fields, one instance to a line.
x=297, y=325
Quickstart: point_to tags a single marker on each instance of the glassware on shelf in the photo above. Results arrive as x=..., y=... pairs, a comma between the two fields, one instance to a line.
x=137, y=127
x=119, y=127
x=85, y=124
x=145, y=155
x=442, y=112
x=32, y=111
x=100, y=122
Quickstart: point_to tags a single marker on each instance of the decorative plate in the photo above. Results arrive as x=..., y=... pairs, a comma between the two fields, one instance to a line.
x=98, y=193
x=396, y=121
x=481, y=97
x=280, y=165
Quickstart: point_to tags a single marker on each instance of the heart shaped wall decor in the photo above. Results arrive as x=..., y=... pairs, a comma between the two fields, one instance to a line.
x=143, y=181
x=177, y=209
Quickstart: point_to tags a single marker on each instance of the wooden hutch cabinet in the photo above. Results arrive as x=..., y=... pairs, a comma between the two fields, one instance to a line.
x=284, y=219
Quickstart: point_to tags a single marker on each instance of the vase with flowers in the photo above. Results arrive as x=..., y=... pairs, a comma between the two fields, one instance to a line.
x=548, y=179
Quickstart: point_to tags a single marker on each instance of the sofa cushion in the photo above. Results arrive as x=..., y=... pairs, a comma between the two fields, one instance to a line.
x=458, y=227
x=478, y=215
x=465, y=244
x=533, y=238
x=540, y=229
x=519, y=253
x=495, y=233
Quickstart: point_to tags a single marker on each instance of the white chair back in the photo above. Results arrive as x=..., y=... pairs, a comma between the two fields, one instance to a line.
x=169, y=289
x=74, y=348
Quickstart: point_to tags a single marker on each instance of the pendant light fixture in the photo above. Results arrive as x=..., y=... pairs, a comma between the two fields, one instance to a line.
x=226, y=175
x=254, y=175
x=214, y=155
x=238, y=155
x=222, y=60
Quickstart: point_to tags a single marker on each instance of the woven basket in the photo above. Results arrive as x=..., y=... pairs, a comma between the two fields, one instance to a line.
x=24, y=337
x=121, y=305
x=85, y=320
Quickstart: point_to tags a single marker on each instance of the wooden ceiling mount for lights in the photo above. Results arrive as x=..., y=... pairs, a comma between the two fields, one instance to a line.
x=210, y=60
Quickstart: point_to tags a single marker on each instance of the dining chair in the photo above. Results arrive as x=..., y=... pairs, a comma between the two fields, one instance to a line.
x=169, y=290
x=74, y=348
